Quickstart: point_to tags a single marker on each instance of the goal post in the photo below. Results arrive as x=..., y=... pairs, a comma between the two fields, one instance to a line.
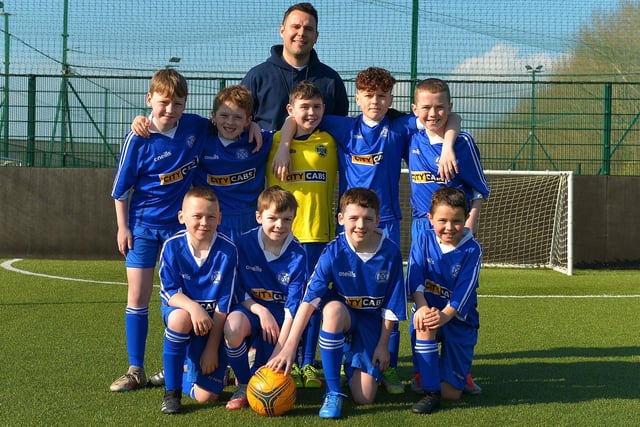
x=527, y=221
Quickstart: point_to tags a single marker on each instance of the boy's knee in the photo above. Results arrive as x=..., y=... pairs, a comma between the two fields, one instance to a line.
x=204, y=396
x=180, y=321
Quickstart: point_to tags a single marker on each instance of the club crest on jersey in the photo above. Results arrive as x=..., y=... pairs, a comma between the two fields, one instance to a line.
x=216, y=278
x=321, y=150
x=284, y=278
x=455, y=270
x=367, y=159
x=364, y=302
x=234, y=179
x=268, y=295
x=242, y=154
x=382, y=276
x=178, y=175
x=191, y=140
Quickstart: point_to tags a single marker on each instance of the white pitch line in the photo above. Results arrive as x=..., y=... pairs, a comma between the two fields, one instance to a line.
x=8, y=265
x=560, y=296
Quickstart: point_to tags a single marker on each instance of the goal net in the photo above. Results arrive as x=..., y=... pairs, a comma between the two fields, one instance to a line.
x=527, y=220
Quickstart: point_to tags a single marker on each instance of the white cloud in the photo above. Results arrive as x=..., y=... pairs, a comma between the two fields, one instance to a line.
x=503, y=61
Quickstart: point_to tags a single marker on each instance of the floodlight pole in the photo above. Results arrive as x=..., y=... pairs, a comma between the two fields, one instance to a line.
x=532, y=138
x=532, y=132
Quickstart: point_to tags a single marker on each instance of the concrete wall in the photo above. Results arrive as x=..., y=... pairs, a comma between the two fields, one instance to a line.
x=67, y=213
x=606, y=228
x=57, y=213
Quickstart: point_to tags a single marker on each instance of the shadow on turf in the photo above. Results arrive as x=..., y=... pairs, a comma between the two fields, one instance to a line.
x=555, y=375
x=550, y=377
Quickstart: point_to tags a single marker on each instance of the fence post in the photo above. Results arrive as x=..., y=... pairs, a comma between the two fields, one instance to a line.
x=415, y=24
x=31, y=121
x=605, y=169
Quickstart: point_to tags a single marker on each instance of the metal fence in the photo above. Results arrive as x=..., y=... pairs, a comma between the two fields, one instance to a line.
x=589, y=128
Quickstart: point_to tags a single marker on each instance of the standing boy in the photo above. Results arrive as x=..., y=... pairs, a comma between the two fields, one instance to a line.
x=197, y=278
x=432, y=107
x=271, y=82
x=232, y=165
x=152, y=177
x=311, y=180
x=272, y=273
x=358, y=285
x=442, y=276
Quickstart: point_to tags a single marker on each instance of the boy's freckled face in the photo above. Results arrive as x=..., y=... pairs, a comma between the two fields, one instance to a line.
x=276, y=226
x=307, y=113
x=432, y=109
x=374, y=104
x=230, y=120
x=166, y=111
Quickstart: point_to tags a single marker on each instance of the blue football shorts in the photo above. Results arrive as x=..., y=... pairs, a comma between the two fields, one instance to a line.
x=146, y=245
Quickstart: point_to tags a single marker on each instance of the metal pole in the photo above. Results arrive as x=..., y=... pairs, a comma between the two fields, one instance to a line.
x=63, y=87
x=605, y=169
x=533, y=120
x=5, y=104
x=414, y=47
x=532, y=132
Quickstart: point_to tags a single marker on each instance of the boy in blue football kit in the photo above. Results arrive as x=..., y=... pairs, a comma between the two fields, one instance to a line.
x=442, y=277
x=151, y=179
x=197, y=277
x=358, y=285
x=232, y=165
x=432, y=108
x=272, y=272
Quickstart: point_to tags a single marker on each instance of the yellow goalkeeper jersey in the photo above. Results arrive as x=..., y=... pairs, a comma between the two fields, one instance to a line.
x=312, y=178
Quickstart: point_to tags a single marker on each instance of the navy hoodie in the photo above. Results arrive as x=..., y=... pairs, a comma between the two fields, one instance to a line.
x=271, y=82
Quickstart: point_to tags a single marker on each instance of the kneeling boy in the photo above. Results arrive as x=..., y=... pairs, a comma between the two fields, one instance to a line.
x=358, y=285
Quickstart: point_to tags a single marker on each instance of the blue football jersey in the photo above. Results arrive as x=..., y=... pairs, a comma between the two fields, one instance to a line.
x=374, y=287
x=235, y=174
x=274, y=282
x=370, y=157
x=160, y=171
x=447, y=277
x=211, y=284
x=423, y=159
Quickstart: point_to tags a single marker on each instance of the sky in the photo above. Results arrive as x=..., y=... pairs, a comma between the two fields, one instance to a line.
x=467, y=38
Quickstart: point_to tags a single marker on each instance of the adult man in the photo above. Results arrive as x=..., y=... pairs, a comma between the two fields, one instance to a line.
x=293, y=61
